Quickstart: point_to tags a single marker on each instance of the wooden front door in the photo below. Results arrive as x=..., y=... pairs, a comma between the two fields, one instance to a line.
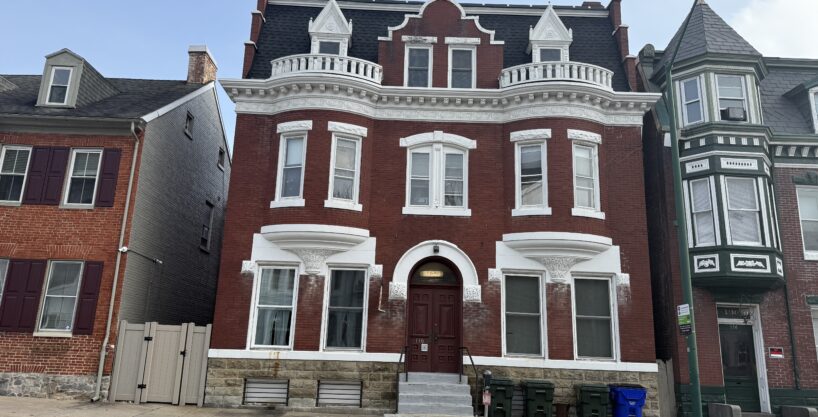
x=434, y=329
x=738, y=358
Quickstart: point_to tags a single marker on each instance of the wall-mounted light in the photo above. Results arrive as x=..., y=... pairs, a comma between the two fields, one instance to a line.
x=436, y=249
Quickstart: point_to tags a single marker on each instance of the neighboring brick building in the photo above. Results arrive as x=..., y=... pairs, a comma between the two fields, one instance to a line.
x=747, y=140
x=77, y=151
x=433, y=176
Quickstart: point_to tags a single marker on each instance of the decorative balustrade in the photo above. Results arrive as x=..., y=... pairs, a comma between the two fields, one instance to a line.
x=556, y=71
x=327, y=64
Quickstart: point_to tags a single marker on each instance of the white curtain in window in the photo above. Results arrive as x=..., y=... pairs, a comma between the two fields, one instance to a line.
x=523, y=329
x=275, y=307
x=742, y=205
x=346, y=309
x=702, y=209
x=419, y=192
x=453, y=181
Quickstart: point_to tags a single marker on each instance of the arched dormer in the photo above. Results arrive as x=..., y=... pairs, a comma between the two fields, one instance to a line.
x=550, y=39
x=330, y=33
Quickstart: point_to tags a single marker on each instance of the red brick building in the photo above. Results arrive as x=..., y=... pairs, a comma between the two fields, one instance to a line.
x=416, y=178
x=98, y=180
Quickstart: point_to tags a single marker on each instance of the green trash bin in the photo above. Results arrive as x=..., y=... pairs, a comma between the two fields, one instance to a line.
x=539, y=398
x=502, y=392
x=592, y=401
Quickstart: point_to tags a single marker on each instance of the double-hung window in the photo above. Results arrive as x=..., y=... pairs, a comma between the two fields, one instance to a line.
x=292, y=154
x=586, y=180
x=550, y=55
x=815, y=326
x=437, y=174
x=743, y=211
x=815, y=110
x=346, y=309
x=523, y=324
x=13, y=168
x=4, y=267
x=701, y=204
x=418, y=66
x=692, y=103
x=808, y=212
x=345, y=172
x=531, y=173
x=60, y=298
x=461, y=67
x=275, y=306
x=732, y=95
x=593, y=318
x=82, y=181
x=329, y=47
x=58, y=88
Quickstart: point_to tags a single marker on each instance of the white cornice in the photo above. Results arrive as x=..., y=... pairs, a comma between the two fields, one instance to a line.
x=414, y=8
x=533, y=134
x=347, y=128
x=521, y=102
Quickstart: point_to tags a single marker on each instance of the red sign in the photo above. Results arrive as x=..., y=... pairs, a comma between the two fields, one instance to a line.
x=486, y=398
x=777, y=353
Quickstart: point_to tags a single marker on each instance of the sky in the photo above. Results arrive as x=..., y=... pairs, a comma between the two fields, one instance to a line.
x=149, y=38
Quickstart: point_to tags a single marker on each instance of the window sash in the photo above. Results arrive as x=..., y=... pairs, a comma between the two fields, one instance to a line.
x=531, y=179
x=582, y=348
x=581, y=182
x=701, y=207
x=809, y=218
x=461, y=76
x=522, y=343
x=731, y=93
x=60, y=87
x=63, y=321
x=345, y=178
x=280, y=312
x=13, y=172
x=738, y=216
x=291, y=167
x=420, y=182
x=415, y=68
x=692, y=101
x=82, y=182
x=343, y=288
x=454, y=184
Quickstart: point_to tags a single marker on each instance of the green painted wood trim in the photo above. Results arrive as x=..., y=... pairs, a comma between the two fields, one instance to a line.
x=809, y=178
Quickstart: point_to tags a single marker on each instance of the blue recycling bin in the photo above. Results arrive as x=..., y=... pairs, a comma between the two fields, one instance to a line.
x=627, y=400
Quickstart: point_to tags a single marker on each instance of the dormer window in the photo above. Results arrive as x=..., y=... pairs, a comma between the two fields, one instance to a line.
x=550, y=40
x=732, y=97
x=815, y=110
x=330, y=48
x=58, y=87
x=330, y=32
x=550, y=55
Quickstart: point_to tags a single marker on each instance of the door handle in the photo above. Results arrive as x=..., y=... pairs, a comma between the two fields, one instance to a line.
x=434, y=334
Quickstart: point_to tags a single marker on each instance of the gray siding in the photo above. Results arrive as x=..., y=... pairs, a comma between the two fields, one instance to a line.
x=177, y=177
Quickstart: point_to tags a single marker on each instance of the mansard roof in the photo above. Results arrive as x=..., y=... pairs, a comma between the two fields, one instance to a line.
x=286, y=32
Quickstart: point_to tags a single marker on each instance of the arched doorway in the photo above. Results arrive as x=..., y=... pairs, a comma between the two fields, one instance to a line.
x=434, y=309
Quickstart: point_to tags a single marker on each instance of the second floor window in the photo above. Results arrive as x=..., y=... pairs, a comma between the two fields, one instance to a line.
x=586, y=177
x=692, y=101
x=207, y=226
x=345, y=172
x=13, y=168
x=808, y=213
x=702, y=211
x=732, y=97
x=532, y=187
x=438, y=182
x=419, y=67
x=743, y=211
x=461, y=68
x=82, y=182
x=291, y=167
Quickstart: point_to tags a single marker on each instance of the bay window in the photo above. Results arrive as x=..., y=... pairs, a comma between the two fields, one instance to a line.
x=743, y=211
x=82, y=180
x=701, y=207
x=692, y=103
x=808, y=213
x=276, y=292
x=523, y=324
x=13, y=168
x=60, y=299
x=586, y=181
x=345, y=173
x=346, y=309
x=531, y=183
x=732, y=95
x=593, y=318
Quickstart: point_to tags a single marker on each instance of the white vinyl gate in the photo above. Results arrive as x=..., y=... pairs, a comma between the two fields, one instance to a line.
x=160, y=364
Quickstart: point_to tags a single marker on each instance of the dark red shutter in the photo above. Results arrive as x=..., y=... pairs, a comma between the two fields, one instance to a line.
x=21, y=300
x=36, y=175
x=107, y=178
x=55, y=176
x=87, y=300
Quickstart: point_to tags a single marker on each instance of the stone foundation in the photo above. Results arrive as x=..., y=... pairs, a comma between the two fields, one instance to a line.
x=225, y=381
x=61, y=387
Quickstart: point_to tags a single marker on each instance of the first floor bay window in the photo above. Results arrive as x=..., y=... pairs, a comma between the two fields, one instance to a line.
x=274, y=307
x=345, y=309
x=523, y=324
x=60, y=299
x=701, y=205
x=808, y=212
x=13, y=167
x=593, y=319
x=743, y=211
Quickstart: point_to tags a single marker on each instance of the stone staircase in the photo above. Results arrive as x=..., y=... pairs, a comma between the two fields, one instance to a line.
x=433, y=395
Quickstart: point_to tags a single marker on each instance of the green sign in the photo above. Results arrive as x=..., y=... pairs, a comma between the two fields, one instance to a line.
x=685, y=322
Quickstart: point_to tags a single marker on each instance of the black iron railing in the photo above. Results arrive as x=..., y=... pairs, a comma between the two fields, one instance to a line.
x=403, y=353
x=463, y=352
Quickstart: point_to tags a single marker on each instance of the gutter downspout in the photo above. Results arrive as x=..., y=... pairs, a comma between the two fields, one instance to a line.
x=104, y=348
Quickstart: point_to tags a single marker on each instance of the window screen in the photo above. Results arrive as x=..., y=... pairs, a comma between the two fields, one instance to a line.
x=523, y=328
x=593, y=318
x=274, y=308
x=345, y=314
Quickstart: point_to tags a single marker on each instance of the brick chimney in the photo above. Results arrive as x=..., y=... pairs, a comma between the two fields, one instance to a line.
x=201, y=68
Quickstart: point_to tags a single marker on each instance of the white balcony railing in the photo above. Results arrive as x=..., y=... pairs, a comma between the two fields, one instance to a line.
x=327, y=64
x=556, y=71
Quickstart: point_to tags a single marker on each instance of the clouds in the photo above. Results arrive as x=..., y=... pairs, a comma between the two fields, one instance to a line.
x=783, y=28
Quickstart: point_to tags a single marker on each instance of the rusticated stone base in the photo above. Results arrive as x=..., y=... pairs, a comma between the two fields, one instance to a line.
x=225, y=381
x=61, y=387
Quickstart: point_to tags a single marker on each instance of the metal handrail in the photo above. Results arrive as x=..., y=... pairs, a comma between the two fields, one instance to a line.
x=465, y=350
x=403, y=351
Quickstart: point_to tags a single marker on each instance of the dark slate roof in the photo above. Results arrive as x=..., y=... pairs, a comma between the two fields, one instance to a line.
x=285, y=33
x=135, y=98
x=706, y=32
x=786, y=115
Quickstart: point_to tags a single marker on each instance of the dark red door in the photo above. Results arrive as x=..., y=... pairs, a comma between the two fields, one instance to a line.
x=434, y=329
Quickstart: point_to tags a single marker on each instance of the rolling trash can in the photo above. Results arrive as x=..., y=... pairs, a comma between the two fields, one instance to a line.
x=539, y=398
x=592, y=401
x=502, y=392
x=628, y=400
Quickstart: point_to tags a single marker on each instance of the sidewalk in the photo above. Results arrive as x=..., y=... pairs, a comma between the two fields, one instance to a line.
x=31, y=407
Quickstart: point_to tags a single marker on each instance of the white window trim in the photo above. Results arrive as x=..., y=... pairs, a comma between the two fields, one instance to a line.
x=429, y=70
x=4, y=277
x=814, y=319
x=563, y=53
x=588, y=140
x=693, y=232
x=808, y=255
x=543, y=318
x=39, y=331
x=615, y=348
x=744, y=91
x=282, y=154
x=251, y=334
x=726, y=205
x=453, y=47
x=3, y=150
x=684, y=101
x=325, y=308
x=69, y=174
x=436, y=207
x=339, y=203
x=813, y=99
x=51, y=84
x=540, y=210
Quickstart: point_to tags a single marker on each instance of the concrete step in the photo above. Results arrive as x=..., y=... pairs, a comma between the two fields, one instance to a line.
x=429, y=389
x=746, y=414
x=438, y=409
x=429, y=377
x=418, y=415
x=435, y=399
